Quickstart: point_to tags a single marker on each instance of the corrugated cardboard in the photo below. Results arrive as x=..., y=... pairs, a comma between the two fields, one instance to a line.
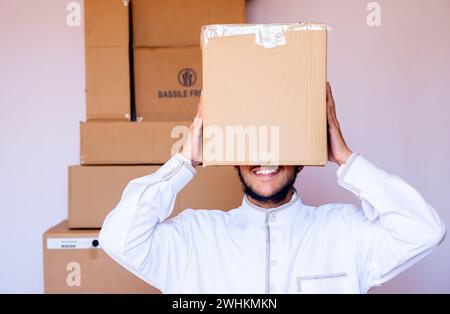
x=119, y=143
x=108, y=69
x=107, y=60
x=248, y=85
x=109, y=105
x=73, y=264
x=106, y=23
x=168, y=82
x=162, y=23
x=95, y=190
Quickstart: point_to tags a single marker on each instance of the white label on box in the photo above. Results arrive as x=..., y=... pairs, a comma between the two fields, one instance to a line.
x=72, y=243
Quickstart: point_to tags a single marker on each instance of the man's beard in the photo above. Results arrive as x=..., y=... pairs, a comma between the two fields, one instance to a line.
x=276, y=197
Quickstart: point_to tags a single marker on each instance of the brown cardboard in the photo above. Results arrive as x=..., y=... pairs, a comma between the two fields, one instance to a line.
x=118, y=143
x=108, y=68
x=250, y=86
x=162, y=23
x=168, y=82
x=87, y=269
x=95, y=190
x=107, y=83
x=107, y=60
x=109, y=105
x=106, y=23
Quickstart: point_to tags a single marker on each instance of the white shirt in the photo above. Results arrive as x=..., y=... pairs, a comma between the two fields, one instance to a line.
x=295, y=248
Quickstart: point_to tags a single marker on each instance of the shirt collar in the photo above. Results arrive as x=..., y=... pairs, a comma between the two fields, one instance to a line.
x=281, y=214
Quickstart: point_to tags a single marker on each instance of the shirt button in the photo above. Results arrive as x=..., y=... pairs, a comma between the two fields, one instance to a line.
x=273, y=288
x=273, y=217
x=273, y=263
x=274, y=240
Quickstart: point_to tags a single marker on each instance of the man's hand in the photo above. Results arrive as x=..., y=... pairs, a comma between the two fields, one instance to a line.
x=338, y=151
x=192, y=148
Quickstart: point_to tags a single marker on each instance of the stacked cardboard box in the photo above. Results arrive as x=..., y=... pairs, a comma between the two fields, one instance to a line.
x=107, y=43
x=95, y=190
x=167, y=54
x=114, y=150
x=75, y=263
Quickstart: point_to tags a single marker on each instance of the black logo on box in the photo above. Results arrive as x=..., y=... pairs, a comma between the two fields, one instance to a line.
x=187, y=77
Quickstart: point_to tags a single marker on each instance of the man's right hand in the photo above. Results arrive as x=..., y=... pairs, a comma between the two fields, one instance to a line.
x=193, y=146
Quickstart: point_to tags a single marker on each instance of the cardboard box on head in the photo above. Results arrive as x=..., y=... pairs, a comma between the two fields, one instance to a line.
x=264, y=89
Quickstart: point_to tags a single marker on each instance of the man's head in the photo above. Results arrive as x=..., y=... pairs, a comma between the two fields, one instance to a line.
x=268, y=186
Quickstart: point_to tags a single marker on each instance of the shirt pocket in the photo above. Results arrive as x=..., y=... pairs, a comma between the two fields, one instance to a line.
x=323, y=283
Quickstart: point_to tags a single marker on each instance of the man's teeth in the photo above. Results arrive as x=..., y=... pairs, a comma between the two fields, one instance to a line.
x=266, y=171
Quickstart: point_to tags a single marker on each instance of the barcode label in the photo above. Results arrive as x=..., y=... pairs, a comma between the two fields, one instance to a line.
x=72, y=243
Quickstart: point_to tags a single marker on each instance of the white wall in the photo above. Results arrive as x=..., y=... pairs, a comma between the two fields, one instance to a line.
x=42, y=101
x=390, y=84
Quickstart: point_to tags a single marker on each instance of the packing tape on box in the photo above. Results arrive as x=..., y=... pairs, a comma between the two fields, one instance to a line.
x=266, y=35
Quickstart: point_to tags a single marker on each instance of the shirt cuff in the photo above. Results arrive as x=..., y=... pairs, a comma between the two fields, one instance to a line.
x=178, y=171
x=345, y=166
x=356, y=174
x=185, y=159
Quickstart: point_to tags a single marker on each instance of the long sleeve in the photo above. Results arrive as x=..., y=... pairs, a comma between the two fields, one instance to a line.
x=136, y=233
x=396, y=226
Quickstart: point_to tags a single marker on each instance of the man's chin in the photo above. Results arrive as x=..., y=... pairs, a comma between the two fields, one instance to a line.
x=268, y=196
x=273, y=198
x=263, y=195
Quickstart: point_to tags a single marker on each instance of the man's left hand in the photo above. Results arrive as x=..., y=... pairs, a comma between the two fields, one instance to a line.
x=338, y=151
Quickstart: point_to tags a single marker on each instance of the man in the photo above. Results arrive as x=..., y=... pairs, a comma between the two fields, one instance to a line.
x=272, y=243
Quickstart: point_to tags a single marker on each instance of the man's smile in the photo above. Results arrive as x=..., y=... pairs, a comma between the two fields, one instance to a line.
x=266, y=173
